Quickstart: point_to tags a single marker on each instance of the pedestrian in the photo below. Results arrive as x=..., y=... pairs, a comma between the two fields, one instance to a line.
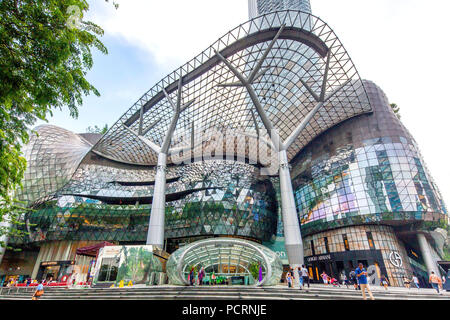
x=344, y=279
x=28, y=282
x=334, y=282
x=192, y=276
x=300, y=278
x=39, y=291
x=213, y=278
x=415, y=280
x=407, y=282
x=354, y=279
x=384, y=282
x=289, y=279
x=291, y=270
x=201, y=274
x=260, y=273
x=305, y=275
x=71, y=281
x=361, y=274
x=324, y=278
x=435, y=281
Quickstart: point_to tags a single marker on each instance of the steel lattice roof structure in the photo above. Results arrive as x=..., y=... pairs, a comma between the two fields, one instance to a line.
x=295, y=60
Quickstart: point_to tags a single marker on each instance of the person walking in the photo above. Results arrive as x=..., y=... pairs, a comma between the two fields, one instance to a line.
x=213, y=278
x=260, y=273
x=354, y=279
x=407, y=282
x=435, y=281
x=289, y=279
x=361, y=274
x=384, y=282
x=344, y=279
x=192, y=276
x=39, y=291
x=324, y=278
x=415, y=280
x=300, y=278
x=201, y=274
x=305, y=275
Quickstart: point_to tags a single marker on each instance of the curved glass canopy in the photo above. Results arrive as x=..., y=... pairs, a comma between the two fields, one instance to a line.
x=292, y=59
x=227, y=258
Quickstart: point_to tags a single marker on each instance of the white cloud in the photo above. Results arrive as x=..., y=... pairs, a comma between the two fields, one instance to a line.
x=172, y=31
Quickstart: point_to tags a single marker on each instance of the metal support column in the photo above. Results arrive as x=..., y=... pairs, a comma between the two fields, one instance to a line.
x=155, y=235
x=425, y=250
x=292, y=234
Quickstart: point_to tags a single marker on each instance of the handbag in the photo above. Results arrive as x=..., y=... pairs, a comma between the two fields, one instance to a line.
x=39, y=293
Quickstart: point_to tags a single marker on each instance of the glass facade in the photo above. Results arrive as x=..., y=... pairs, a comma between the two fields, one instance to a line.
x=53, y=155
x=214, y=198
x=367, y=170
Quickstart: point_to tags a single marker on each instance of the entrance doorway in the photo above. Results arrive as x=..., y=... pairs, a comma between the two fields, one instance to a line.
x=224, y=261
x=108, y=270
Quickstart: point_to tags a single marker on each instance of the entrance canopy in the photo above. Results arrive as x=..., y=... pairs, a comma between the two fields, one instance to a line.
x=92, y=251
x=226, y=257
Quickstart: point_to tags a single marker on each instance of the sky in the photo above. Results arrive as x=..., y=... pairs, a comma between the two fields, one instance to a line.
x=401, y=45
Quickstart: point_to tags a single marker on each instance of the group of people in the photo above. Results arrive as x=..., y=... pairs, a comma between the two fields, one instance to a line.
x=359, y=279
x=201, y=276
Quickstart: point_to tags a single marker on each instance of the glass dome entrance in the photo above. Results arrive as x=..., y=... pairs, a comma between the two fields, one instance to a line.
x=235, y=261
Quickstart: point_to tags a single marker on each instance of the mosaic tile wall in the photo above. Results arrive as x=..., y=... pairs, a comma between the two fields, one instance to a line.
x=368, y=169
x=216, y=198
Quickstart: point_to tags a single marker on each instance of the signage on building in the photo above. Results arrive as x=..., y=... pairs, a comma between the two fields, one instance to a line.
x=56, y=263
x=326, y=257
x=396, y=259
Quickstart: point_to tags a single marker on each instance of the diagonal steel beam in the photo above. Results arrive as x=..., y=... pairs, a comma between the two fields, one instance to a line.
x=273, y=133
x=315, y=96
x=325, y=77
x=255, y=71
x=149, y=143
x=256, y=124
x=150, y=127
x=294, y=135
x=141, y=120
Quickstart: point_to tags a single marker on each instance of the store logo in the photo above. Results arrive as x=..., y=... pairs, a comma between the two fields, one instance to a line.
x=396, y=259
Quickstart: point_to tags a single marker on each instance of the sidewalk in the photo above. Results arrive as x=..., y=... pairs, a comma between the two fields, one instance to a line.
x=373, y=288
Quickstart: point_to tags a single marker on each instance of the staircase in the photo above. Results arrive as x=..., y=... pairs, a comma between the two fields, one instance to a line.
x=316, y=292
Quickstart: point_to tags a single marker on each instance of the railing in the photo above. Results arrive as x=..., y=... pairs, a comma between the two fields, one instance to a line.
x=5, y=291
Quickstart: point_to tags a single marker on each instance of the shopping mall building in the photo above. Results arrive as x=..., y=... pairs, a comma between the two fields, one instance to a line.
x=266, y=149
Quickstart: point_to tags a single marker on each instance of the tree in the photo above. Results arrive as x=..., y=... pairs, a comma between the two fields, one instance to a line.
x=45, y=53
x=97, y=129
x=396, y=110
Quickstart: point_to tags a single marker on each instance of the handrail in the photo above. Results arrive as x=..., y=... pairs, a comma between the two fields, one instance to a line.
x=15, y=289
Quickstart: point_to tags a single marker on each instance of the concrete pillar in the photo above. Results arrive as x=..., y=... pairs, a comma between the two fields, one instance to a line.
x=292, y=234
x=427, y=256
x=155, y=234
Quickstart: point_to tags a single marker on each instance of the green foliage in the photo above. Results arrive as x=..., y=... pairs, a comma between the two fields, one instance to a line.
x=396, y=110
x=447, y=253
x=97, y=129
x=254, y=270
x=43, y=65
